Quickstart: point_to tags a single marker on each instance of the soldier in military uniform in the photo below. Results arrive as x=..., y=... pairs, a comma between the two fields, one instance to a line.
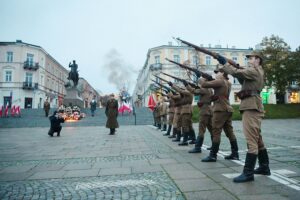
x=111, y=112
x=157, y=115
x=177, y=118
x=205, y=113
x=46, y=107
x=222, y=114
x=163, y=114
x=186, y=114
x=171, y=110
x=252, y=80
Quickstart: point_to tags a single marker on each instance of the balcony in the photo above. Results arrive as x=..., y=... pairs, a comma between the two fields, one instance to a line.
x=31, y=66
x=157, y=66
x=30, y=86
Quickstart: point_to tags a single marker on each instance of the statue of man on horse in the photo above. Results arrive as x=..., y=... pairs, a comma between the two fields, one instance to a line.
x=73, y=74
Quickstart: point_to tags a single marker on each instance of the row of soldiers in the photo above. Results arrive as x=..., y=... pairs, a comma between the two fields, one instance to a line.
x=216, y=114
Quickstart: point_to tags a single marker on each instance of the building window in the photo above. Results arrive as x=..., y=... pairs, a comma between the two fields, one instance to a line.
x=245, y=61
x=9, y=56
x=208, y=60
x=29, y=59
x=42, y=80
x=28, y=78
x=8, y=76
x=157, y=59
x=177, y=74
x=177, y=58
x=195, y=60
x=234, y=59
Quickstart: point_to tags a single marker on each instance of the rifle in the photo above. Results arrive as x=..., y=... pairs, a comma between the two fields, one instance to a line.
x=204, y=75
x=182, y=80
x=164, y=80
x=213, y=54
x=156, y=87
x=165, y=87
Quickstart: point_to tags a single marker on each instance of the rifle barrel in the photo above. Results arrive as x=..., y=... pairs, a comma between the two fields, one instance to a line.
x=213, y=54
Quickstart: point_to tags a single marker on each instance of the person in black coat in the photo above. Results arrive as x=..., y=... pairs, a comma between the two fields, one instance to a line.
x=55, y=121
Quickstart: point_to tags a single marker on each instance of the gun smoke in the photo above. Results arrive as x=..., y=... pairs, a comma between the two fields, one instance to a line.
x=120, y=73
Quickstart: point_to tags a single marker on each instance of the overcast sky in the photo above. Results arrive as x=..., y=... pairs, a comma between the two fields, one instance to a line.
x=90, y=31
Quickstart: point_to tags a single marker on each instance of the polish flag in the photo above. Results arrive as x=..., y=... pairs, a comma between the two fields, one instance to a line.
x=1, y=109
x=18, y=111
x=151, y=103
x=12, y=111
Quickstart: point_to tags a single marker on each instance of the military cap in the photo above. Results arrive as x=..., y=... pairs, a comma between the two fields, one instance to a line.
x=252, y=54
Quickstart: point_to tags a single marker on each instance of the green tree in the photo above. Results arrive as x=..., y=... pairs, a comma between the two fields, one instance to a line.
x=293, y=64
x=276, y=53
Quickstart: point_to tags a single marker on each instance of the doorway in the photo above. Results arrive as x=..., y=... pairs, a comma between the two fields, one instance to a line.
x=28, y=102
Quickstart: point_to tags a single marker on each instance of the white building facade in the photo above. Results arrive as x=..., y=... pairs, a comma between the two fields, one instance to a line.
x=29, y=76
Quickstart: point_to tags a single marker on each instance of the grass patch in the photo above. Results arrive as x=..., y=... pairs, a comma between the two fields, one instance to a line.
x=272, y=111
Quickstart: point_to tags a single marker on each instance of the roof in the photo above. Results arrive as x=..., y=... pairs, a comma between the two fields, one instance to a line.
x=19, y=42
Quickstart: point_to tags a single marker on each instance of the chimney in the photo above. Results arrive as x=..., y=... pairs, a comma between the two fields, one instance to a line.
x=18, y=41
x=201, y=45
x=233, y=47
x=170, y=43
x=209, y=45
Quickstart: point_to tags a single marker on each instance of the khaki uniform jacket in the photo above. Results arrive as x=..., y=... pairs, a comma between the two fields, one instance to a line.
x=251, y=78
x=186, y=100
x=205, y=98
x=171, y=108
x=177, y=102
x=221, y=89
x=163, y=108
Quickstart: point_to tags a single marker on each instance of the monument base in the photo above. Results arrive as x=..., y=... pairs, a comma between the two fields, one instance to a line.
x=72, y=98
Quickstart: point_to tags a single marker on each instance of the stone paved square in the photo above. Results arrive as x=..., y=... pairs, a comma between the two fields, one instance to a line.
x=138, y=163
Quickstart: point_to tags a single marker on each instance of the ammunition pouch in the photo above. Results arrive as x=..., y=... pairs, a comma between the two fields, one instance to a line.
x=200, y=104
x=243, y=94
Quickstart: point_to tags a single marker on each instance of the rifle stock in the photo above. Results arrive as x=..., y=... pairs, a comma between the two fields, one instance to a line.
x=213, y=54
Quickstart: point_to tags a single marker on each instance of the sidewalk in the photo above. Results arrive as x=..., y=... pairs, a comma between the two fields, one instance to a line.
x=136, y=163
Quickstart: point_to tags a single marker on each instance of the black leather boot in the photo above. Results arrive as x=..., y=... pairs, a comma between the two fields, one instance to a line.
x=173, y=134
x=198, y=145
x=164, y=127
x=209, y=148
x=169, y=130
x=192, y=137
x=213, y=153
x=158, y=126
x=178, y=135
x=248, y=172
x=234, y=151
x=112, y=131
x=184, y=142
x=263, y=162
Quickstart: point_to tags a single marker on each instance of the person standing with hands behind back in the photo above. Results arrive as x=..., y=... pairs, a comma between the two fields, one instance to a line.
x=111, y=113
x=93, y=105
x=46, y=107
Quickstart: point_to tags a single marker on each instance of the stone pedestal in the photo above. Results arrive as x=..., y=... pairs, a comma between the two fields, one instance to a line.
x=72, y=98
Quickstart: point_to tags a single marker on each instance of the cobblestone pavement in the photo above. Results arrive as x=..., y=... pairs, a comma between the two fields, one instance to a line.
x=139, y=163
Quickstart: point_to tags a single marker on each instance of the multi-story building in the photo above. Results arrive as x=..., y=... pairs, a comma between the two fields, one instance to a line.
x=29, y=75
x=156, y=63
x=87, y=93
